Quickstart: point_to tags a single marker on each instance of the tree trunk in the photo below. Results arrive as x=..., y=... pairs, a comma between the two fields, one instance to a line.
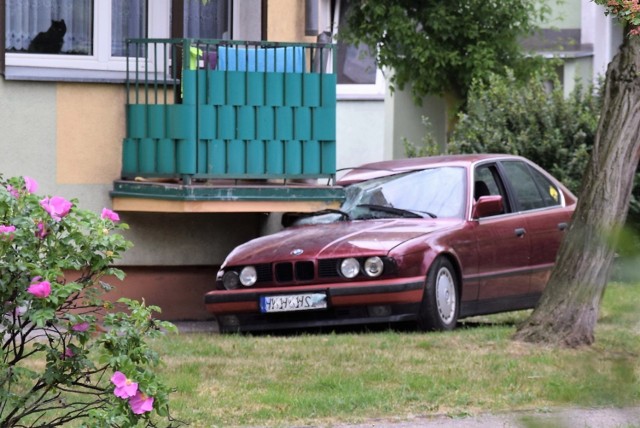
x=568, y=310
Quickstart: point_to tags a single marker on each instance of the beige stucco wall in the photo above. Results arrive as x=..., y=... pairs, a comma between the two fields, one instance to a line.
x=285, y=21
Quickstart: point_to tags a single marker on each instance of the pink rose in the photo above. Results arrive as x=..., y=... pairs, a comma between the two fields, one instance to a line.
x=30, y=184
x=40, y=289
x=80, y=327
x=6, y=232
x=57, y=207
x=12, y=191
x=141, y=403
x=125, y=387
x=42, y=230
x=109, y=215
x=68, y=353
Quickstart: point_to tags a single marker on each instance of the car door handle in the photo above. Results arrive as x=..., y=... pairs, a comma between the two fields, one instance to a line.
x=520, y=231
x=563, y=226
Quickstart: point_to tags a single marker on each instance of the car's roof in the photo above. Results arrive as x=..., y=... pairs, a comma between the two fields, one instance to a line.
x=385, y=168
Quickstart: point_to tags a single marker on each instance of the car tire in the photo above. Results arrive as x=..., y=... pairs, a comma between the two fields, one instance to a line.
x=440, y=305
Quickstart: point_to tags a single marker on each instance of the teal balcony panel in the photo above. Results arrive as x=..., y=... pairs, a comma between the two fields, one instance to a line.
x=207, y=122
x=181, y=120
x=156, y=121
x=328, y=90
x=236, y=157
x=293, y=89
x=166, y=156
x=324, y=123
x=246, y=123
x=328, y=157
x=311, y=158
x=274, y=89
x=256, y=157
x=284, y=123
x=236, y=88
x=189, y=86
x=129, y=157
x=265, y=123
x=302, y=125
x=216, y=157
x=186, y=156
x=226, y=122
x=137, y=120
x=275, y=157
x=293, y=157
x=311, y=90
x=147, y=156
x=216, y=87
x=201, y=157
x=255, y=88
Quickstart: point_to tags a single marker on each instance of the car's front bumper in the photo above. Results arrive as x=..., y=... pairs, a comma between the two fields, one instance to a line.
x=347, y=304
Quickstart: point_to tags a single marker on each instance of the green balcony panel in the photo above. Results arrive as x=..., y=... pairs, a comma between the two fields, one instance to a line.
x=293, y=89
x=255, y=88
x=166, y=156
x=328, y=153
x=302, y=123
x=274, y=89
x=328, y=94
x=129, y=157
x=256, y=157
x=147, y=155
x=311, y=157
x=207, y=122
x=201, y=157
x=265, y=123
x=201, y=87
x=217, y=157
x=311, y=89
x=236, y=88
x=236, y=157
x=156, y=121
x=226, y=122
x=275, y=157
x=181, y=121
x=293, y=157
x=324, y=123
x=284, y=123
x=186, y=156
x=136, y=120
x=246, y=123
x=189, y=85
x=216, y=87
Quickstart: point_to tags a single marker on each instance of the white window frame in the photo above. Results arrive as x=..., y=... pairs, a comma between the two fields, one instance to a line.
x=350, y=91
x=158, y=19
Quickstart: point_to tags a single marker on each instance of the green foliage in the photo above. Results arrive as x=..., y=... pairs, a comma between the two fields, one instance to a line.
x=442, y=46
x=531, y=120
x=429, y=145
x=61, y=343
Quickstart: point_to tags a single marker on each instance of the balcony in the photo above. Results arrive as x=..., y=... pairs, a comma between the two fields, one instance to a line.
x=228, y=121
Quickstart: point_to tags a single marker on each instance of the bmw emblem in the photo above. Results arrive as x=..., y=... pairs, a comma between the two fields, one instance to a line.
x=297, y=252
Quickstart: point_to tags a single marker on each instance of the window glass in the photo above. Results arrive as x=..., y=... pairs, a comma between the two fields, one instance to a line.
x=49, y=26
x=128, y=20
x=527, y=193
x=206, y=20
x=356, y=64
x=550, y=193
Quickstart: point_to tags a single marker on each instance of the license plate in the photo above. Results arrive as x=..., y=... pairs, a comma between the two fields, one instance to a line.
x=293, y=302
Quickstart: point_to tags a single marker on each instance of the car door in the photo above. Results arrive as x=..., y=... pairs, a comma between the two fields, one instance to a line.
x=503, y=245
x=541, y=204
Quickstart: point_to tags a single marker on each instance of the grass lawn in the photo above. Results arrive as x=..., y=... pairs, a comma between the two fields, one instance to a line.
x=347, y=377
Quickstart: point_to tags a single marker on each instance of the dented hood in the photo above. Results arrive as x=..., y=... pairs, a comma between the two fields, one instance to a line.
x=340, y=239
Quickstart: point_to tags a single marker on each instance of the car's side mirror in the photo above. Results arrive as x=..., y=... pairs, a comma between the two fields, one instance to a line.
x=487, y=206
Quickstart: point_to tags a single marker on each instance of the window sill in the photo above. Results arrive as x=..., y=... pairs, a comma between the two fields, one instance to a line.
x=46, y=74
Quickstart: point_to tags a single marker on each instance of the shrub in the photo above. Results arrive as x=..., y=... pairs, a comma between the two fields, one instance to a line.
x=67, y=354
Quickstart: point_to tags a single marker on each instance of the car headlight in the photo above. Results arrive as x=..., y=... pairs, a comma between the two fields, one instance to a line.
x=248, y=276
x=231, y=280
x=373, y=266
x=350, y=268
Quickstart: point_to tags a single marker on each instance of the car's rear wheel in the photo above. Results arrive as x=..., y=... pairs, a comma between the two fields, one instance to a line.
x=440, y=305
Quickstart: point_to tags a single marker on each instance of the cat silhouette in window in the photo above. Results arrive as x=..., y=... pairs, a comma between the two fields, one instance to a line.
x=49, y=41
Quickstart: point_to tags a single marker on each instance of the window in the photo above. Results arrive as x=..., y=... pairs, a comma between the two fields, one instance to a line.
x=358, y=74
x=77, y=39
x=532, y=190
x=206, y=20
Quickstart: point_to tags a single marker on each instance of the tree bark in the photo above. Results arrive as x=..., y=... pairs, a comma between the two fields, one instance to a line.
x=568, y=309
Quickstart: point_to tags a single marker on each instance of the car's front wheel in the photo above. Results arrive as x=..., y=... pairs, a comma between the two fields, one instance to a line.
x=440, y=303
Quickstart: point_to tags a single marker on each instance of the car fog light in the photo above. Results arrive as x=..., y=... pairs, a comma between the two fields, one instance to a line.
x=231, y=280
x=373, y=266
x=248, y=276
x=350, y=268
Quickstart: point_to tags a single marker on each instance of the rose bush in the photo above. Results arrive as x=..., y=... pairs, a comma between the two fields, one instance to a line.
x=67, y=354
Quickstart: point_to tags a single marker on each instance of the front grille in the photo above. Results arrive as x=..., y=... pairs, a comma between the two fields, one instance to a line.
x=284, y=272
x=304, y=271
x=328, y=268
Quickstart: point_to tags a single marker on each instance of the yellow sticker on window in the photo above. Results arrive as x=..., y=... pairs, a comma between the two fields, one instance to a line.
x=554, y=193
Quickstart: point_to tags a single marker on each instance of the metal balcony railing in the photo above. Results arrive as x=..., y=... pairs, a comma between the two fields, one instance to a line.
x=229, y=109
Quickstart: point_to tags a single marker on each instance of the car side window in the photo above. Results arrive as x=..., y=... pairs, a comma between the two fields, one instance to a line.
x=487, y=182
x=532, y=189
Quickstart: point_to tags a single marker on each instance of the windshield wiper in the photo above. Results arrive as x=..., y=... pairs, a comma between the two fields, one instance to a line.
x=398, y=211
x=344, y=215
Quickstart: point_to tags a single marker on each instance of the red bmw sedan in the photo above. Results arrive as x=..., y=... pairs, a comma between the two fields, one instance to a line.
x=424, y=240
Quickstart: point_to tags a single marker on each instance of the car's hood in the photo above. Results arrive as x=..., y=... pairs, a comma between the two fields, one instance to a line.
x=340, y=239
